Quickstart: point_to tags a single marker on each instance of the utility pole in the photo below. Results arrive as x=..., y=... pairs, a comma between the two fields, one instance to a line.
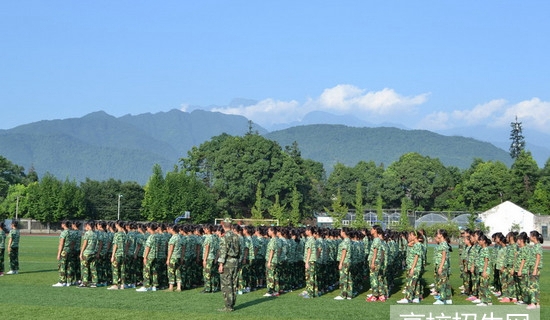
x=118, y=212
x=17, y=208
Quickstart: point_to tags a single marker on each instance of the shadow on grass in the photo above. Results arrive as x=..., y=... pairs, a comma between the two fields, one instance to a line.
x=253, y=303
x=38, y=271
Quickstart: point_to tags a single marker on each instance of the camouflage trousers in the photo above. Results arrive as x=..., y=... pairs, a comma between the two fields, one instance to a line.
x=311, y=280
x=119, y=270
x=131, y=269
x=63, y=267
x=2, y=259
x=346, y=284
x=245, y=275
x=505, y=280
x=14, y=259
x=174, y=271
x=103, y=265
x=497, y=283
x=88, y=269
x=272, y=278
x=442, y=283
x=484, y=290
x=259, y=270
x=74, y=265
x=534, y=289
x=162, y=270
x=474, y=281
x=229, y=279
x=523, y=292
x=378, y=282
x=150, y=273
x=411, y=285
x=210, y=276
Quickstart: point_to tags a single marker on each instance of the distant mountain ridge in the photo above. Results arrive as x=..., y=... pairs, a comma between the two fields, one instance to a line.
x=100, y=146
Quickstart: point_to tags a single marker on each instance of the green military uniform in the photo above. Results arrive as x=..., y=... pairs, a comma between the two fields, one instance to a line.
x=412, y=289
x=174, y=264
x=228, y=256
x=484, y=282
x=63, y=262
x=346, y=285
x=14, y=249
x=311, y=272
x=119, y=263
x=534, y=288
x=272, y=276
x=442, y=284
x=88, y=261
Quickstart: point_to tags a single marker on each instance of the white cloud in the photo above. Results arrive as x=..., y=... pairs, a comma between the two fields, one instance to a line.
x=184, y=107
x=340, y=99
x=267, y=111
x=533, y=113
x=345, y=97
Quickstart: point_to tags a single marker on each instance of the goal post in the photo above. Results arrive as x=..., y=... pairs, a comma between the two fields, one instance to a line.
x=254, y=222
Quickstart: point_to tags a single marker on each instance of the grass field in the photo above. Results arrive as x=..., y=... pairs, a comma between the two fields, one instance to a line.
x=30, y=295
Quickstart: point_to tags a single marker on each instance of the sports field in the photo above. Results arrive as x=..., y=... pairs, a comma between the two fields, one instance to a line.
x=29, y=295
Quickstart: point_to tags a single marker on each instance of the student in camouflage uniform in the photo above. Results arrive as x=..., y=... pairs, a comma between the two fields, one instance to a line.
x=442, y=267
x=209, y=252
x=75, y=272
x=271, y=260
x=13, y=248
x=3, y=231
x=247, y=279
x=413, y=267
x=118, y=257
x=483, y=264
x=344, y=258
x=376, y=265
x=508, y=283
x=500, y=263
x=150, y=272
x=63, y=254
x=535, y=265
x=474, y=266
x=228, y=260
x=524, y=253
x=173, y=258
x=310, y=261
x=163, y=237
x=102, y=258
x=88, y=256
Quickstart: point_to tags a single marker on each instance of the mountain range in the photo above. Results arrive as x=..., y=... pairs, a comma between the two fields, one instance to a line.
x=100, y=146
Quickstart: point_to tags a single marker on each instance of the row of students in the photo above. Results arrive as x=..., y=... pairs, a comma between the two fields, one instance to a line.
x=513, y=263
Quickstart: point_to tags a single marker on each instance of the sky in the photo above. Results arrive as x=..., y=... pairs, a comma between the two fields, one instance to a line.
x=431, y=65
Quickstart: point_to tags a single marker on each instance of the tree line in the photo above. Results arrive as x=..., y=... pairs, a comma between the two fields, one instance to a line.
x=252, y=176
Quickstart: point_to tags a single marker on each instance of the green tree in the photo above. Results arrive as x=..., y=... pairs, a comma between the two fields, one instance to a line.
x=380, y=209
x=295, y=216
x=487, y=186
x=518, y=141
x=339, y=210
x=525, y=174
x=422, y=178
x=359, y=221
x=404, y=224
x=10, y=174
x=278, y=212
x=257, y=209
x=154, y=201
x=540, y=201
x=43, y=199
x=15, y=202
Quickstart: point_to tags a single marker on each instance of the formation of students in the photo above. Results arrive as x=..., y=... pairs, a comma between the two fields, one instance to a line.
x=156, y=256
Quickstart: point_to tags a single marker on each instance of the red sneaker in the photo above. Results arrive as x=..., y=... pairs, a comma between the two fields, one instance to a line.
x=371, y=299
x=382, y=299
x=505, y=300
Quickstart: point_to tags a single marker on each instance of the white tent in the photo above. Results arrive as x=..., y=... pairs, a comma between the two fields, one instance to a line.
x=507, y=216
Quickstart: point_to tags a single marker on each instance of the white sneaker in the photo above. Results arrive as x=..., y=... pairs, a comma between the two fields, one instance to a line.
x=448, y=301
x=59, y=284
x=476, y=301
x=403, y=301
x=439, y=302
x=240, y=292
x=143, y=289
x=416, y=300
x=339, y=298
x=481, y=304
x=113, y=287
x=267, y=294
x=11, y=272
x=154, y=289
